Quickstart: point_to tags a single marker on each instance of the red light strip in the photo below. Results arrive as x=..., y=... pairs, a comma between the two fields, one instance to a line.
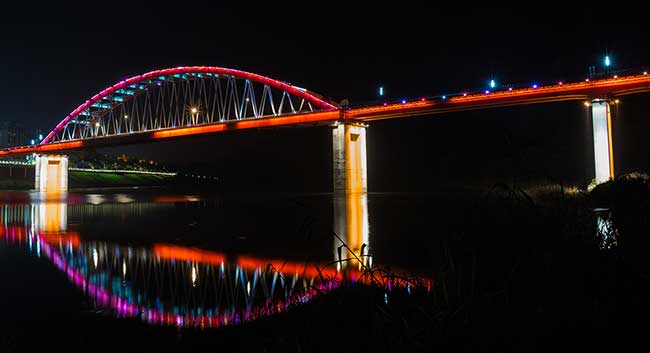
x=59, y=146
x=565, y=91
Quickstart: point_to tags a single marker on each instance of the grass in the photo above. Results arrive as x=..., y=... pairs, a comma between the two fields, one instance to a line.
x=81, y=179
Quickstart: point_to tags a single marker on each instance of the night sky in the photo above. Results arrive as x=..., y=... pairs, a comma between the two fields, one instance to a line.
x=53, y=57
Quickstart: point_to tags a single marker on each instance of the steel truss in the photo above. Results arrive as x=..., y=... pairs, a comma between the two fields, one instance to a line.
x=182, y=100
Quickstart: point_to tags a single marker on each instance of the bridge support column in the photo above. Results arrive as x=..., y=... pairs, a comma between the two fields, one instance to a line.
x=349, y=158
x=603, y=145
x=350, y=183
x=51, y=173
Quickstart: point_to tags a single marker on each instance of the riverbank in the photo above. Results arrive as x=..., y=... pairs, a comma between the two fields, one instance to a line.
x=85, y=179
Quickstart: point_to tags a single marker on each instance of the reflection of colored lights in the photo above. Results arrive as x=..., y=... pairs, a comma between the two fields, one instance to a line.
x=187, y=254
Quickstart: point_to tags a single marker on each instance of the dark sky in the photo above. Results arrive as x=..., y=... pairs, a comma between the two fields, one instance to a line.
x=53, y=57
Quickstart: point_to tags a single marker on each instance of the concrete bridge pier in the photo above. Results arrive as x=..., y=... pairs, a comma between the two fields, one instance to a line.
x=350, y=174
x=51, y=173
x=350, y=202
x=603, y=145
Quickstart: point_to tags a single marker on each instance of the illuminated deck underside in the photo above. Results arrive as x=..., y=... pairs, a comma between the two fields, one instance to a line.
x=545, y=94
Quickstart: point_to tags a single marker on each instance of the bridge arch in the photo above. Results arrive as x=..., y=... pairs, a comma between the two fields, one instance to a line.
x=206, y=94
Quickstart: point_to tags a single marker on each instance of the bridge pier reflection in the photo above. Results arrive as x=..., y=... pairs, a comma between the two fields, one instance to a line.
x=51, y=173
x=352, y=239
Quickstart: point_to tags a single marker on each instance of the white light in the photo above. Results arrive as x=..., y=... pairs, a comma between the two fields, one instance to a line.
x=600, y=118
x=194, y=110
x=126, y=116
x=645, y=72
x=607, y=60
x=586, y=80
x=124, y=268
x=615, y=76
x=95, y=257
x=492, y=84
x=97, y=124
x=248, y=287
x=194, y=276
x=586, y=104
x=247, y=99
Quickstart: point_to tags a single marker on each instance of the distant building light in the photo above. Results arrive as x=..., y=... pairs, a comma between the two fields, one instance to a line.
x=586, y=103
x=487, y=91
x=465, y=94
x=31, y=142
x=444, y=97
x=40, y=136
x=645, y=72
x=586, y=80
x=381, y=91
x=560, y=83
x=535, y=86
x=492, y=84
x=607, y=60
x=510, y=89
x=403, y=101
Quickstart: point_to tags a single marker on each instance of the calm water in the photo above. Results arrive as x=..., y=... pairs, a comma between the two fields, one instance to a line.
x=208, y=260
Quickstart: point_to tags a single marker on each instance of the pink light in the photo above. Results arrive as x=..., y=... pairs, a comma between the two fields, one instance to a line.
x=464, y=94
x=423, y=99
x=385, y=104
x=586, y=80
x=560, y=83
x=510, y=89
x=217, y=70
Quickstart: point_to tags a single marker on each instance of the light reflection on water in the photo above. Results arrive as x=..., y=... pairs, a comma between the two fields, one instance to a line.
x=179, y=285
x=164, y=284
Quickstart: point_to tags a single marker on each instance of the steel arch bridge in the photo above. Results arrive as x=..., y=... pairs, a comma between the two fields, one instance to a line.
x=183, y=97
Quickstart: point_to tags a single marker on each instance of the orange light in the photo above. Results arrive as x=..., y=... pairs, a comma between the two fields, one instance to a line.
x=249, y=124
x=173, y=252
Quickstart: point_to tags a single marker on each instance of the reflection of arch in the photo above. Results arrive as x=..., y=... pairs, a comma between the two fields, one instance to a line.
x=94, y=117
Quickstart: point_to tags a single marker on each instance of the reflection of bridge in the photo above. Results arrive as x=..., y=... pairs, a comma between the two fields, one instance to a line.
x=187, y=101
x=175, y=285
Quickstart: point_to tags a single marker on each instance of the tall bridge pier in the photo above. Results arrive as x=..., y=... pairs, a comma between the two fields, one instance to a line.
x=350, y=184
x=603, y=144
x=51, y=173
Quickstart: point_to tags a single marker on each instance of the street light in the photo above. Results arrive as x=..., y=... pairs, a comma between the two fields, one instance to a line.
x=194, y=110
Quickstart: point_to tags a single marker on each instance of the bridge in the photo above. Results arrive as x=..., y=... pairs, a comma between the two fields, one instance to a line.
x=186, y=101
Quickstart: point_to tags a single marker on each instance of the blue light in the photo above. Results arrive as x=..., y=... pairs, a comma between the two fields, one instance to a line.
x=40, y=136
x=444, y=97
x=535, y=86
x=487, y=91
x=381, y=91
x=492, y=84
x=607, y=60
x=31, y=141
x=403, y=101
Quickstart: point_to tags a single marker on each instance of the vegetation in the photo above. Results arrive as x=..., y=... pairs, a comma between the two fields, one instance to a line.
x=78, y=179
x=93, y=160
